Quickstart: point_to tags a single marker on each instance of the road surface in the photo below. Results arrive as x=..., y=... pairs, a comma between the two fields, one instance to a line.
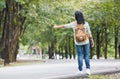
x=57, y=69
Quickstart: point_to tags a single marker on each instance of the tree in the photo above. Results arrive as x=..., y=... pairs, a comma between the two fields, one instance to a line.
x=12, y=20
x=97, y=13
x=12, y=29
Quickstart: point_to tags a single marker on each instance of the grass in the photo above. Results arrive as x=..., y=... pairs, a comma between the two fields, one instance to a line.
x=99, y=77
x=24, y=62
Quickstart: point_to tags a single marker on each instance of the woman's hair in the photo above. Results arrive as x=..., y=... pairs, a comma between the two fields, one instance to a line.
x=79, y=17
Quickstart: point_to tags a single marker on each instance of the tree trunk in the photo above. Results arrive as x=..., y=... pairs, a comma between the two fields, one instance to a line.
x=69, y=50
x=98, y=45
x=62, y=52
x=51, y=51
x=2, y=13
x=119, y=50
x=74, y=54
x=6, y=31
x=66, y=49
x=116, y=41
x=106, y=44
x=91, y=54
x=66, y=52
x=2, y=17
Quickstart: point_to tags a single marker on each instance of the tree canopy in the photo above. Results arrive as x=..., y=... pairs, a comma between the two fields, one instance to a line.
x=41, y=15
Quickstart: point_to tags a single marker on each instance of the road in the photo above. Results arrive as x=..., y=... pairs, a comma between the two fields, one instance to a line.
x=56, y=69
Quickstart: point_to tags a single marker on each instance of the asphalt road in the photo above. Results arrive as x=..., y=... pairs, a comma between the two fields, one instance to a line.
x=57, y=69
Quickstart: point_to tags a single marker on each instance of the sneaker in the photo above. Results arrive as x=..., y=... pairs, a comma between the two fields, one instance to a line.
x=80, y=72
x=88, y=72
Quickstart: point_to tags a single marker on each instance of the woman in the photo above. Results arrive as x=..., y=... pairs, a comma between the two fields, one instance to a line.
x=82, y=47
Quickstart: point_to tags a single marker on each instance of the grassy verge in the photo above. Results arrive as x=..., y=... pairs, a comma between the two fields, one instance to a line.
x=24, y=62
x=99, y=77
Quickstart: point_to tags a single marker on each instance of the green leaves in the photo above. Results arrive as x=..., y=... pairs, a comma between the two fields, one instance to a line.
x=43, y=14
x=21, y=1
x=2, y=4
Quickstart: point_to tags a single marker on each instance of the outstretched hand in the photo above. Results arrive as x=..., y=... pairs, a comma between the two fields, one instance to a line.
x=55, y=26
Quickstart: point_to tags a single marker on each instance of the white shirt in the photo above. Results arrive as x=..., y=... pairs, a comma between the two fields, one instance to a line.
x=87, y=29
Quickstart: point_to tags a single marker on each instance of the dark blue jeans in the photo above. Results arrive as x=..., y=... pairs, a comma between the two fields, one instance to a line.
x=83, y=50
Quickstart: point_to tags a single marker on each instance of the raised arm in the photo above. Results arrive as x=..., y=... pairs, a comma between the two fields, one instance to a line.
x=58, y=26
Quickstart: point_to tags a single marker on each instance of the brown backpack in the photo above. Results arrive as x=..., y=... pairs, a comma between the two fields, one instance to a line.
x=80, y=34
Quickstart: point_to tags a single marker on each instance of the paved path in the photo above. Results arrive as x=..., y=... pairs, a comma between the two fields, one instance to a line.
x=57, y=69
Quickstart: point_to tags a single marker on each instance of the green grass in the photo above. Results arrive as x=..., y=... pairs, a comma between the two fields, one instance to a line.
x=24, y=62
x=99, y=77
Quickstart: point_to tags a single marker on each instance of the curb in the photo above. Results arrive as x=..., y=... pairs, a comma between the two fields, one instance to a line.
x=77, y=76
